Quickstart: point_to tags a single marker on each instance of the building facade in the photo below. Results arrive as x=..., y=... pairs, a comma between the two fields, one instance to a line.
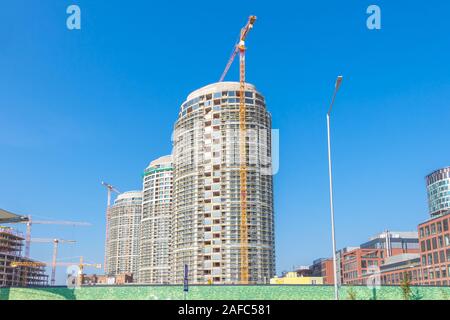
x=400, y=268
x=94, y=279
x=434, y=236
x=206, y=228
x=122, y=247
x=292, y=277
x=323, y=268
x=438, y=190
x=359, y=263
x=155, y=237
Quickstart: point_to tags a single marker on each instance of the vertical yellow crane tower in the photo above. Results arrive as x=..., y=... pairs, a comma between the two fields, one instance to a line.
x=240, y=47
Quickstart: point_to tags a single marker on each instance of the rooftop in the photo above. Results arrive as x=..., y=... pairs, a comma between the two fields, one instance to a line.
x=219, y=86
x=396, y=234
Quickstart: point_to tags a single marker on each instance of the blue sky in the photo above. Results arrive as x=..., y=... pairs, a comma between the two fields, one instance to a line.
x=79, y=107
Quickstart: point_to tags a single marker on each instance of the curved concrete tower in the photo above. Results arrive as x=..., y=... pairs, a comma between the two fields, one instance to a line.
x=155, y=250
x=122, y=248
x=206, y=221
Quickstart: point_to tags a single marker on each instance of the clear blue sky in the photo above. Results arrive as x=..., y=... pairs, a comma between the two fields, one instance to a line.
x=79, y=107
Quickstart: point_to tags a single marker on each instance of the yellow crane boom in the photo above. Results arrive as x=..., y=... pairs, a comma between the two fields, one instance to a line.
x=240, y=47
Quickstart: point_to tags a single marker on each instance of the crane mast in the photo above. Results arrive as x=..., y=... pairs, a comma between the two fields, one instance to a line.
x=240, y=47
x=110, y=189
x=56, y=243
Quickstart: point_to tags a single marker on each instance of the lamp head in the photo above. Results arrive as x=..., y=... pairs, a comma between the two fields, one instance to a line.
x=338, y=82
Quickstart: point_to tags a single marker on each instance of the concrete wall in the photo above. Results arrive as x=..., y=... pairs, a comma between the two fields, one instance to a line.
x=273, y=292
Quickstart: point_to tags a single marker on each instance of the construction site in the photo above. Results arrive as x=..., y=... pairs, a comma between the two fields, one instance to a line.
x=15, y=269
x=213, y=222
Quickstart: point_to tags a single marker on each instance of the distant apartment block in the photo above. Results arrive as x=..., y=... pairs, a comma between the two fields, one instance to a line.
x=207, y=213
x=156, y=224
x=122, y=248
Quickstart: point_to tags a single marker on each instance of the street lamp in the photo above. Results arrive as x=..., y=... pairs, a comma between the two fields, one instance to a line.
x=336, y=88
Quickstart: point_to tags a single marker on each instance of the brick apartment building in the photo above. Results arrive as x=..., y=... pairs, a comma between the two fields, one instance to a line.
x=356, y=264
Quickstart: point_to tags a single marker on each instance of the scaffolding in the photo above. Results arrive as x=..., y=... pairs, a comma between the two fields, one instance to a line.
x=30, y=274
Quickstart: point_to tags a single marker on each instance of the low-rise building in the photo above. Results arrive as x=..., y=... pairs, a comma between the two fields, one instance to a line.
x=359, y=263
x=94, y=279
x=400, y=267
x=293, y=277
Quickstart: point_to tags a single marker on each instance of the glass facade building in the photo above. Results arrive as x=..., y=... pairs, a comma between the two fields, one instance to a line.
x=438, y=189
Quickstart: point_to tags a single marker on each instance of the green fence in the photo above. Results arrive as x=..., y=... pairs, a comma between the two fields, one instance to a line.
x=272, y=292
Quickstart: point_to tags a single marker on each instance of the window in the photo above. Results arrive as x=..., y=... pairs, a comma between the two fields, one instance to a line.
x=433, y=229
x=440, y=242
x=435, y=257
x=442, y=256
x=445, y=222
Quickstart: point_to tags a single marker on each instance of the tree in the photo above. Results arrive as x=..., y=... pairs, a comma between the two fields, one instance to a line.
x=405, y=285
x=351, y=294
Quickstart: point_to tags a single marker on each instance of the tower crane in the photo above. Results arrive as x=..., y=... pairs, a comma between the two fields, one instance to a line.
x=30, y=222
x=56, y=243
x=110, y=189
x=240, y=47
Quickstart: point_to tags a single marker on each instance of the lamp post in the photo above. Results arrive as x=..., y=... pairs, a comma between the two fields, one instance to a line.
x=336, y=88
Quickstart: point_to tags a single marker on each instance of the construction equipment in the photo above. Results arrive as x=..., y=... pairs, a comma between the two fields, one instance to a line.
x=240, y=47
x=9, y=217
x=56, y=243
x=30, y=222
x=110, y=189
x=81, y=264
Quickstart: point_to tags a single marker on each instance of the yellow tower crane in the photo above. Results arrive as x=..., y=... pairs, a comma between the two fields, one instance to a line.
x=240, y=47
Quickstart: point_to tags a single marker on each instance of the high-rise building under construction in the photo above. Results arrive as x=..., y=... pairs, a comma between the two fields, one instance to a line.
x=207, y=192
x=122, y=247
x=155, y=250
